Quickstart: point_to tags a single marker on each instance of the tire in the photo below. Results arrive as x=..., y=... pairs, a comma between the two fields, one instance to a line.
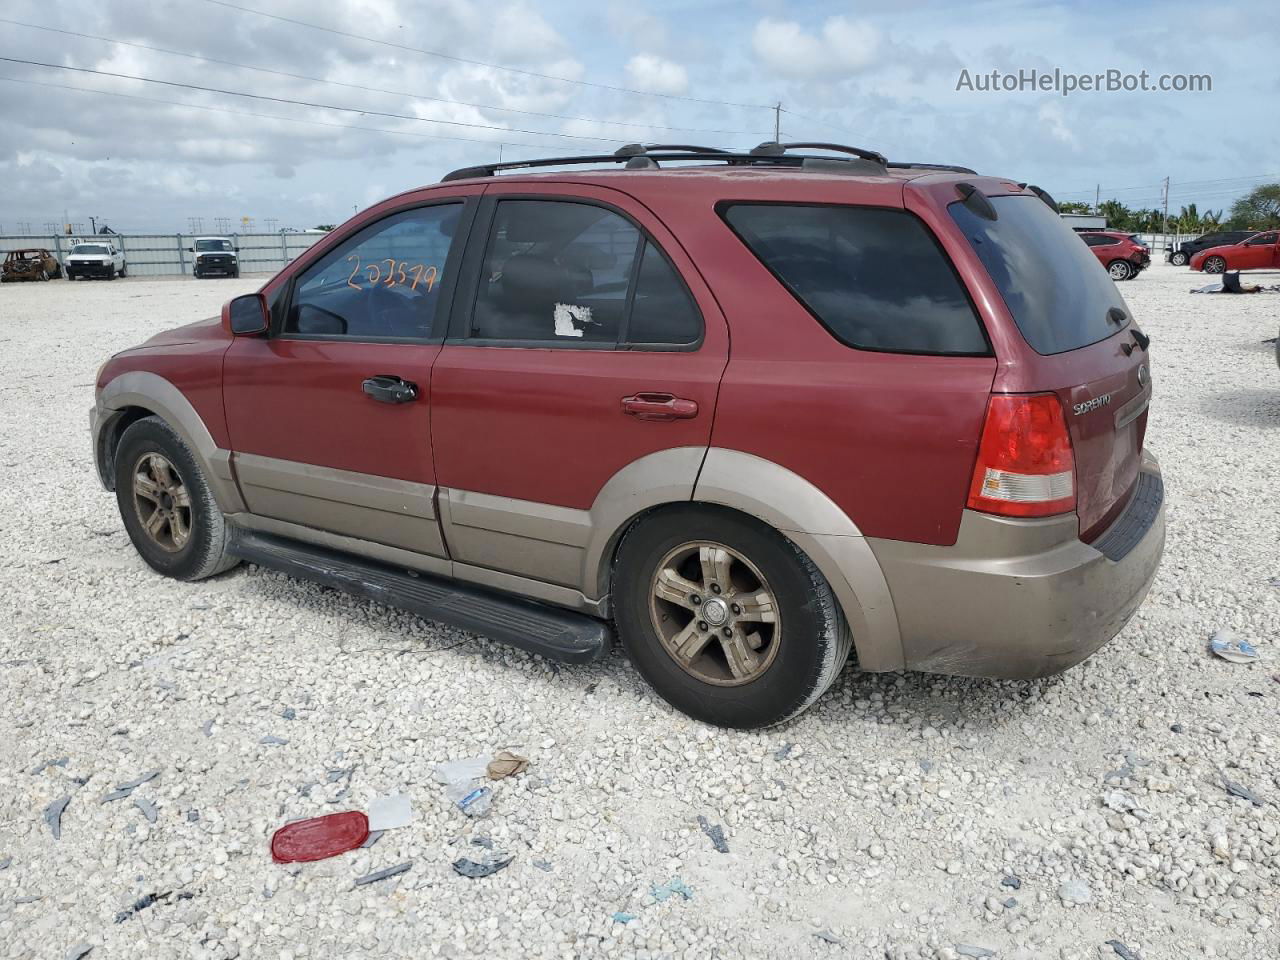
x=800, y=653
x=1120, y=270
x=1215, y=265
x=202, y=552
x=1179, y=259
x=236, y=273
x=124, y=271
x=43, y=275
x=111, y=272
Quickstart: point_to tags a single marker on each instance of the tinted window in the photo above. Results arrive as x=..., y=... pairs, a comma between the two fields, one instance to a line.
x=563, y=272
x=204, y=246
x=1262, y=239
x=662, y=310
x=875, y=278
x=90, y=248
x=383, y=282
x=1055, y=289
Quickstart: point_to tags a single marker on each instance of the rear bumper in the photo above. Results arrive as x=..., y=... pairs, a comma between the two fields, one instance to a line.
x=1017, y=599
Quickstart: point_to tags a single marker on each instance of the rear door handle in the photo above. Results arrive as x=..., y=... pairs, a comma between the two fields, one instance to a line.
x=659, y=406
x=388, y=389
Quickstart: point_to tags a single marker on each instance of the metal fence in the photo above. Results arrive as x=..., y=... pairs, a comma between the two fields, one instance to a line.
x=168, y=254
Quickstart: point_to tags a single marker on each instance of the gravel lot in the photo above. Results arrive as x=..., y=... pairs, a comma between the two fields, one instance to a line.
x=905, y=816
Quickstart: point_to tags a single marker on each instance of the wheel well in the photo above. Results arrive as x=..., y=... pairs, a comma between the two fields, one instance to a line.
x=615, y=542
x=110, y=440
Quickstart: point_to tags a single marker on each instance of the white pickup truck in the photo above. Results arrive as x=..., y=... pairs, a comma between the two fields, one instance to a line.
x=95, y=258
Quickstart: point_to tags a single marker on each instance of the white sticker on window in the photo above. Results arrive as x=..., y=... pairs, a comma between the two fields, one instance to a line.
x=571, y=319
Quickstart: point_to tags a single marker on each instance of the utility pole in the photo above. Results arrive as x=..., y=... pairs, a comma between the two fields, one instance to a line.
x=777, y=123
x=93, y=225
x=1097, y=198
x=500, y=146
x=271, y=224
x=1165, y=231
x=223, y=224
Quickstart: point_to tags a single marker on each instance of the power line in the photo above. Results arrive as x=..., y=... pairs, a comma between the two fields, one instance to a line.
x=271, y=116
x=482, y=63
x=357, y=86
x=306, y=103
x=1180, y=183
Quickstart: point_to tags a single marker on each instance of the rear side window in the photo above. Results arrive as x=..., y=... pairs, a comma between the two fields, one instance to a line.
x=574, y=274
x=1056, y=290
x=875, y=278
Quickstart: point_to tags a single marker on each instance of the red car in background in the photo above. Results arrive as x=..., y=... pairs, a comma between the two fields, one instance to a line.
x=1122, y=255
x=1259, y=252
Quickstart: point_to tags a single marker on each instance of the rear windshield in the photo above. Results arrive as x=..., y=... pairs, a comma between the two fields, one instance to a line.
x=875, y=278
x=1054, y=286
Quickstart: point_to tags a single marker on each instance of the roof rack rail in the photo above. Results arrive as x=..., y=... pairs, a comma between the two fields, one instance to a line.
x=948, y=167
x=638, y=156
x=771, y=148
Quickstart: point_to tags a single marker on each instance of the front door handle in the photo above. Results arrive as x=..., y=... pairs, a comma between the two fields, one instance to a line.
x=388, y=389
x=659, y=406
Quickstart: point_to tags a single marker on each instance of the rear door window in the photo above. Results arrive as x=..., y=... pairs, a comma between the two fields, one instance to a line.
x=1054, y=287
x=876, y=278
x=571, y=274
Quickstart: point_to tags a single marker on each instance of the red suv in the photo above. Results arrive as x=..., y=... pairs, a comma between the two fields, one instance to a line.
x=1122, y=254
x=757, y=409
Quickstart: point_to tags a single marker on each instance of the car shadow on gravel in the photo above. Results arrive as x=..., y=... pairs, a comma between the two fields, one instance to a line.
x=1245, y=408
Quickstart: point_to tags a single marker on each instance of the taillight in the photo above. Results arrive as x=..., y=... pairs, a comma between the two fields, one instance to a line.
x=1025, y=465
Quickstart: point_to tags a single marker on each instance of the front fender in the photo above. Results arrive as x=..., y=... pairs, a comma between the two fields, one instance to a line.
x=141, y=390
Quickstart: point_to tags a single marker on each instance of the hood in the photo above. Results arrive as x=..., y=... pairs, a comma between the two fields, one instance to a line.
x=208, y=329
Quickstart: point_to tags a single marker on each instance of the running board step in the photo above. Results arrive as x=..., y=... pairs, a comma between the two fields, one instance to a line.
x=550, y=631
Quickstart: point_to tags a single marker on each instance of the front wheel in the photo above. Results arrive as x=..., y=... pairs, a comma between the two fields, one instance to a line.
x=1120, y=270
x=124, y=272
x=111, y=273
x=1179, y=259
x=726, y=618
x=166, y=505
x=1215, y=265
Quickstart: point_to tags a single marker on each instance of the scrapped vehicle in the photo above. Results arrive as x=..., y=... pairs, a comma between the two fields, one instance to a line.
x=1261, y=251
x=1181, y=255
x=96, y=258
x=215, y=255
x=509, y=403
x=1123, y=254
x=31, y=263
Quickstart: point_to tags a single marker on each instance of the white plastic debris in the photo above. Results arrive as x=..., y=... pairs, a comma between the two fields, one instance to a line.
x=459, y=771
x=388, y=813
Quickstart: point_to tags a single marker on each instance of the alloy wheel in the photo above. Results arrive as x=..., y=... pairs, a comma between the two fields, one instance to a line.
x=1119, y=270
x=715, y=614
x=1215, y=265
x=162, y=502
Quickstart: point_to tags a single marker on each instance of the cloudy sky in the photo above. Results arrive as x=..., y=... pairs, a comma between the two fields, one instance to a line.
x=146, y=156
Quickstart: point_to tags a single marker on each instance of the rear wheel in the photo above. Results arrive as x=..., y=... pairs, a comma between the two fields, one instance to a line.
x=1179, y=259
x=727, y=619
x=166, y=505
x=1120, y=269
x=1215, y=265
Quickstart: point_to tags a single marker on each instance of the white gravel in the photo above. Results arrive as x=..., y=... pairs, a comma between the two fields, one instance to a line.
x=889, y=828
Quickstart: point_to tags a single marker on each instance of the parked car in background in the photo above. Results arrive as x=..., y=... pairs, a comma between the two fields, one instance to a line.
x=96, y=258
x=508, y=403
x=1261, y=251
x=32, y=263
x=1123, y=254
x=1181, y=255
x=215, y=255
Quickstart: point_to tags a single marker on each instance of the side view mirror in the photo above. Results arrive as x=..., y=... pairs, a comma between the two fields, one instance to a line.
x=247, y=315
x=237, y=249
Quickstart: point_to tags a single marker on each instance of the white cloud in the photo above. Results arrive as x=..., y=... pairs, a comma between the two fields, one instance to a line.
x=843, y=46
x=650, y=72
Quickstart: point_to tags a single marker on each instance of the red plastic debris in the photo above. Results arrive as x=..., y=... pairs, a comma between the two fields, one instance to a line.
x=319, y=837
